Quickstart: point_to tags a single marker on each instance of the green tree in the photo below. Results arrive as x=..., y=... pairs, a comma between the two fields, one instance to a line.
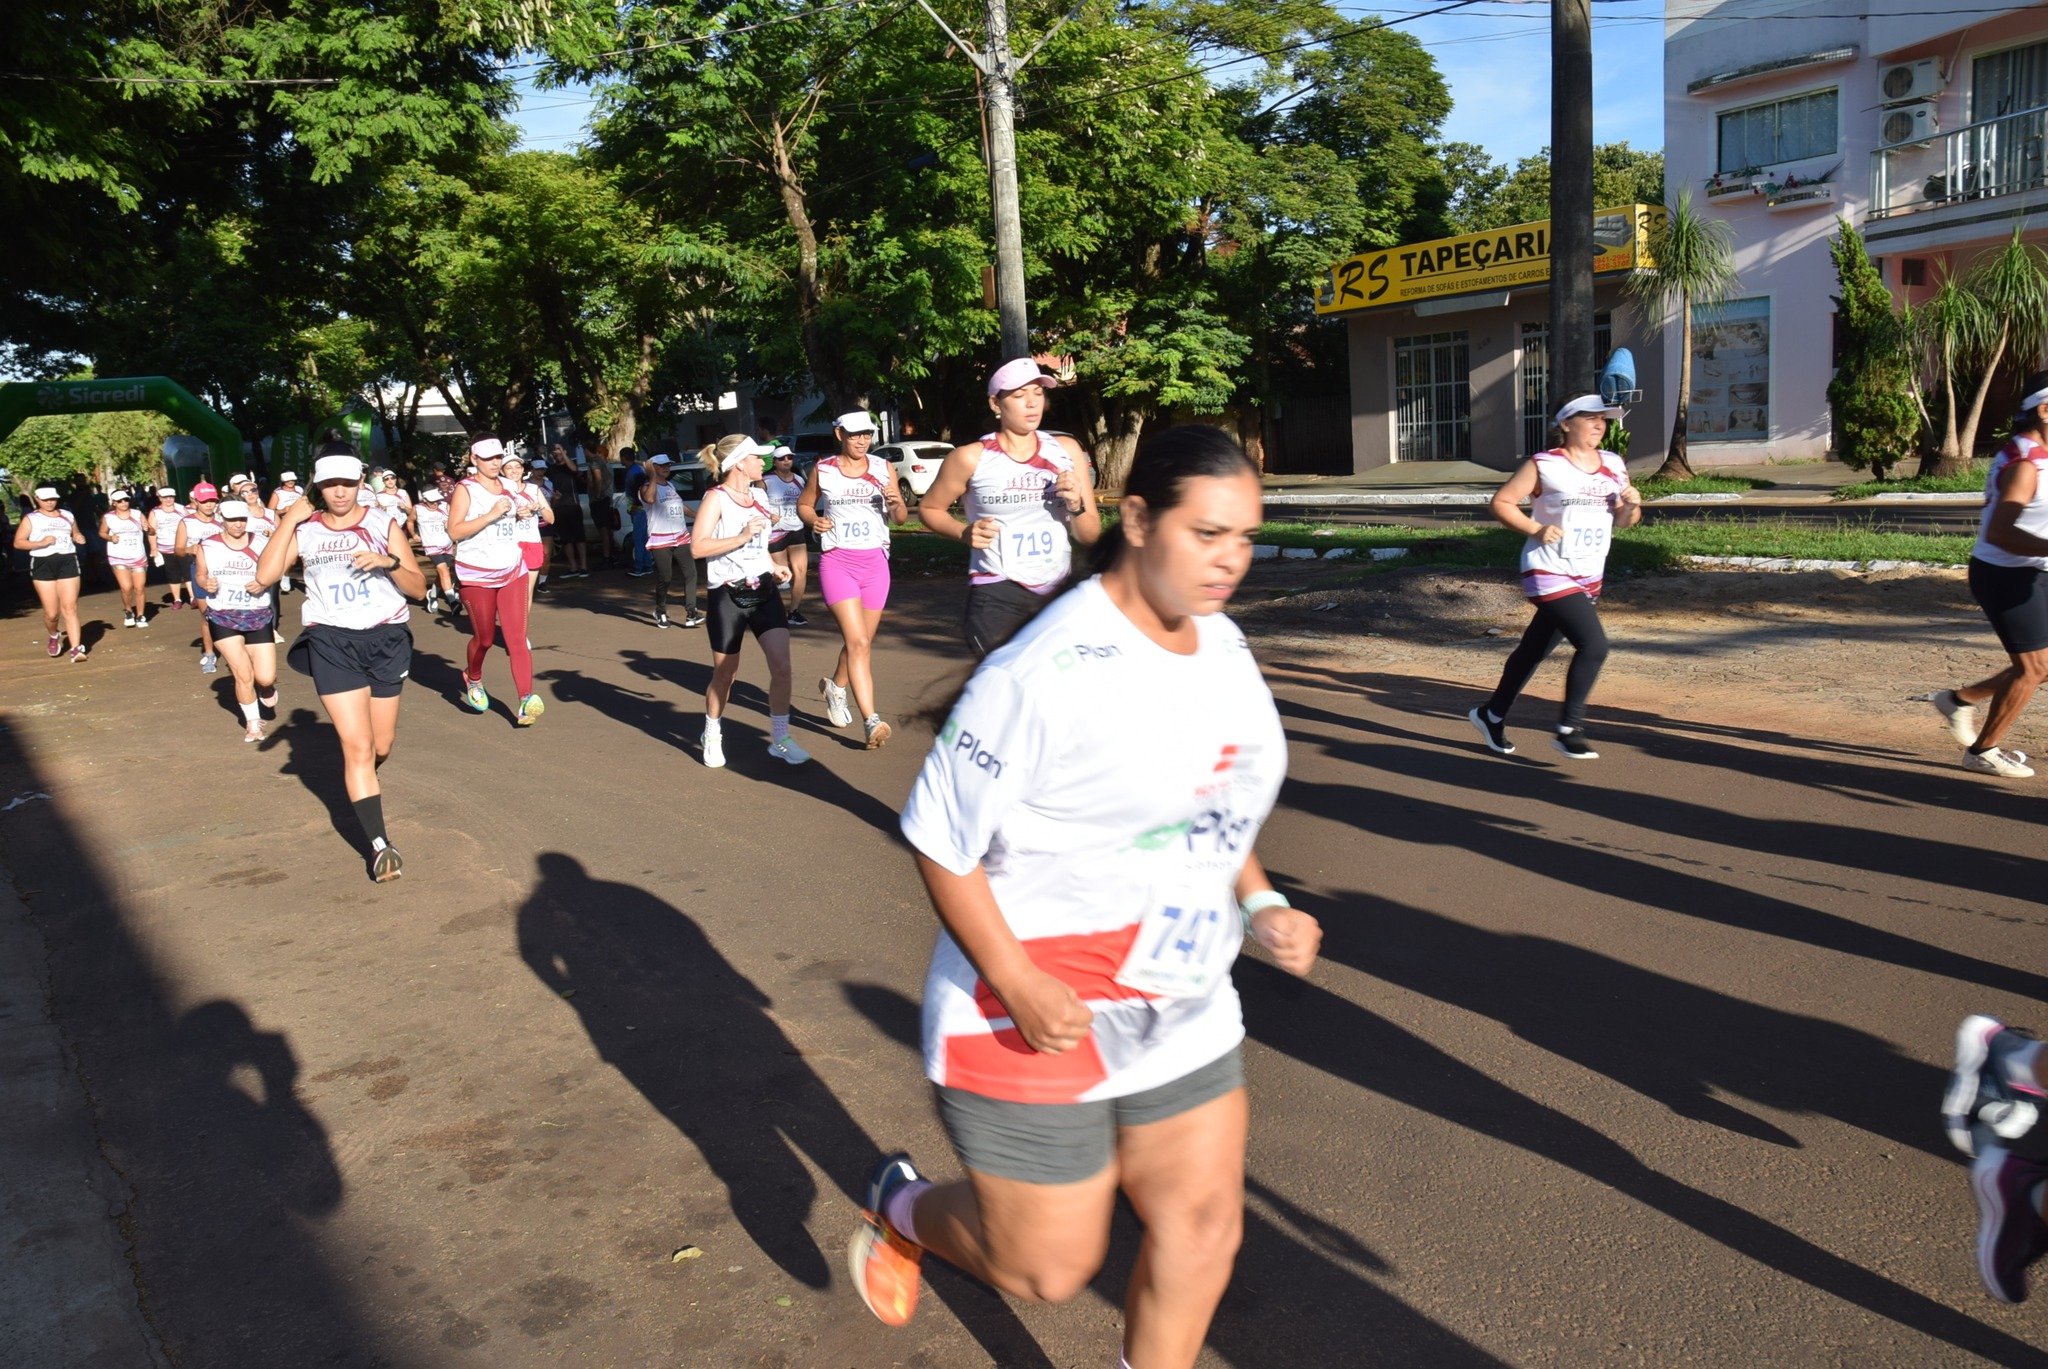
x=1977, y=321
x=1695, y=267
x=1876, y=419
x=1495, y=198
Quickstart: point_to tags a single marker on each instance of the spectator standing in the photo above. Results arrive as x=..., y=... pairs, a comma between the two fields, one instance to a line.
x=636, y=476
x=570, y=537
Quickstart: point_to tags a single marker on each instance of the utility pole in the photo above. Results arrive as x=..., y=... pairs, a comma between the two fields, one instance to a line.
x=1573, y=367
x=1000, y=70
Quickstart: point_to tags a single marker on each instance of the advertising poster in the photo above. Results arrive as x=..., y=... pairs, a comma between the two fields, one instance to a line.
x=1731, y=372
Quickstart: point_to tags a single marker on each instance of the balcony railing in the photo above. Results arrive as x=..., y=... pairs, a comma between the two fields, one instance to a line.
x=2000, y=156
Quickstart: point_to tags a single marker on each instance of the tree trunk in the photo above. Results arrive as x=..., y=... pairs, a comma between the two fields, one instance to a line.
x=1949, y=457
x=826, y=370
x=1675, y=466
x=626, y=427
x=1122, y=425
x=1966, y=442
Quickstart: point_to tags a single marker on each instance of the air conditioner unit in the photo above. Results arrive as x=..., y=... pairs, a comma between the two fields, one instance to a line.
x=1915, y=123
x=1910, y=80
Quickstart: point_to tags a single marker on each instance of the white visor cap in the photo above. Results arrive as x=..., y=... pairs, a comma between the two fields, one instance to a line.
x=1587, y=404
x=328, y=468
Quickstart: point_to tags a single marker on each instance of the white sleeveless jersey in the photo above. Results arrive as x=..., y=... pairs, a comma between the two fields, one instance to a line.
x=433, y=529
x=749, y=561
x=668, y=517
x=125, y=547
x=1582, y=504
x=1032, y=547
x=529, y=526
x=857, y=506
x=337, y=594
x=57, y=525
x=234, y=570
x=782, y=496
x=164, y=523
x=197, y=530
x=286, y=498
x=488, y=558
x=2033, y=519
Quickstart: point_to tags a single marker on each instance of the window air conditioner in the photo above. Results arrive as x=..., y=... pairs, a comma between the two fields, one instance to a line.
x=1910, y=80
x=1915, y=123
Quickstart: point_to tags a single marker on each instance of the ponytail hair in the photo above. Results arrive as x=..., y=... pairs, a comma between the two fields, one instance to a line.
x=1159, y=475
x=712, y=455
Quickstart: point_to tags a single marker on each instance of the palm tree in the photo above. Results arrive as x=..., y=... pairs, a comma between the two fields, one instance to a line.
x=1970, y=323
x=1694, y=266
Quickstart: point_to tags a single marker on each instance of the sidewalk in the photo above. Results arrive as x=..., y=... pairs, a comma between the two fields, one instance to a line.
x=67, y=1294
x=1436, y=483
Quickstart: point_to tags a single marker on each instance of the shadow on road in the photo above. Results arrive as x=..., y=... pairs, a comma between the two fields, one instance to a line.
x=695, y=1037
x=313, y=756
x=198, y=1113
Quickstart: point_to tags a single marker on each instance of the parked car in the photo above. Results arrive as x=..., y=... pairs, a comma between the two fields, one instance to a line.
x=917, y=465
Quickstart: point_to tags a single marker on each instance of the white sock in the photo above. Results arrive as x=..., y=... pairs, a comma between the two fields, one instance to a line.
x=249, y=712
x=711, y=728
x=778, y=726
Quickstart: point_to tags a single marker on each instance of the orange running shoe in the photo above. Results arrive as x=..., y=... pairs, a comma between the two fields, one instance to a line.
x=884, y=1265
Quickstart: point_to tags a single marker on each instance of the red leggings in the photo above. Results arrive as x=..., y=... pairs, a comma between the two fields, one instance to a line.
x=491, y=608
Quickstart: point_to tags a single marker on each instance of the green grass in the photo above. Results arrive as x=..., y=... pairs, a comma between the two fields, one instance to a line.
x=1969, y=481
x=1703, y=484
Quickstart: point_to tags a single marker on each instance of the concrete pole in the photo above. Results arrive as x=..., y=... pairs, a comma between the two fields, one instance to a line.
x=1001, y=71
x=1573, y=367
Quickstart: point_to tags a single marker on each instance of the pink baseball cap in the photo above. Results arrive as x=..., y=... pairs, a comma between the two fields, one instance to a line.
x=204, y=490
x=1015, y=375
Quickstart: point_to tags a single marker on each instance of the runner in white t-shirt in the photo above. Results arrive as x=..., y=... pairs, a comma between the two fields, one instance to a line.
x=1085, y=825
x=200, y=522
x=731, y=539
x=163, y=545
x=483, y=522
x=850, y=500
x=49, y=534
x=435, y=544
x=668, y=540
x=1578, y=496
x=244, y=617
x=788, y=541
x=1023, y=492
x=358, y=572
x=533, y=514
x=126, y=534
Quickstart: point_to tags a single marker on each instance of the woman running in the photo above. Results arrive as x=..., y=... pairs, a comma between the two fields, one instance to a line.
x=484, y=525
x=358, y=571
x=731, y=538
x=437, y=548
x=286, y=494
x=126, y=534
x=1579, y=496
x=244, y=617
x=163, y=545
x=2007, y=581
x=532, y=518
x=850, y=504
x=49, y=534
x=1086, y=827
x=789, y=542
x=200, y=522
x=668, y=540
x=1024, y=493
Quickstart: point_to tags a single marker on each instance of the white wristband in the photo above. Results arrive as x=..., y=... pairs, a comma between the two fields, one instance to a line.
x=1258, y=903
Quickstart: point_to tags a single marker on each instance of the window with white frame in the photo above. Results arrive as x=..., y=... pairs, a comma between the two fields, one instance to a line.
x=1433, y=397
x=1784, y=130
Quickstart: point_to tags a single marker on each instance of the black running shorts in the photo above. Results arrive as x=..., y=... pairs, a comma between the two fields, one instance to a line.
x=2015, y=599
x=342, y=659
x=62, y=566
x=995, y=611
x=737, y=610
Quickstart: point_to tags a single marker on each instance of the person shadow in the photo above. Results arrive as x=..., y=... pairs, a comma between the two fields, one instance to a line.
x=313, y=756
x=697, y=1039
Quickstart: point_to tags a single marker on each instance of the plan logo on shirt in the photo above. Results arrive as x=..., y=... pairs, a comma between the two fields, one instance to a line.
x=1068, y=657
x=962, y=741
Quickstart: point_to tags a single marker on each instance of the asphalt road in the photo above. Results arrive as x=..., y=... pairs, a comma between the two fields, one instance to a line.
x=1632, y=1063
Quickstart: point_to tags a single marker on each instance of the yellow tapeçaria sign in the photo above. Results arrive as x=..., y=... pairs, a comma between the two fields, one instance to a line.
x=1474, y=262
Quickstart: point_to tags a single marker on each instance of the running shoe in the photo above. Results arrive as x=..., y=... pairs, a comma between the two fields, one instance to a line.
x=879, y=732
x=636, y=574
x=714, y=749
x=55, y=644
x=285, y=584
x=1963, y=722
x=883, y=1264
x=798, y=620
x=145, y=620
x=208, y=663
x=2010, y=1232
x=1987, y=1091
x=78, y=653
x=1495, y=734
x=433, y=599
x=475, y=696
x=693, y=619
x=836, y=707
x=1999, y=761
x=1574, y=745
x=386, y=865
x=788, y=750
x=127, y=620
x=253, y=733
x=661, y=620
x=530, y=709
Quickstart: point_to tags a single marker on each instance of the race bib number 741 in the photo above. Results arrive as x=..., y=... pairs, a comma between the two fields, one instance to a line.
x=1186, y=943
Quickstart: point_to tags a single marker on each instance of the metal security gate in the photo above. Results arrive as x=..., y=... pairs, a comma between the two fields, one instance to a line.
x=1433, y=398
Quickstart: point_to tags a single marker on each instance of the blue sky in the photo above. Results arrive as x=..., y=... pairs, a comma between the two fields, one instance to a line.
x=1495, y=56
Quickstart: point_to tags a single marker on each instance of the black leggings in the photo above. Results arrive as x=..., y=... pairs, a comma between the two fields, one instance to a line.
x=669, y=562
x=1574, y=618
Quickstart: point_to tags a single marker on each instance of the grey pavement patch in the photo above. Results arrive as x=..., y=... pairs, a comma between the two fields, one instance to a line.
x=1389, y=497
x=1802, y=563
x=1717, y=497
x=67, y=1290
x=1927, y=497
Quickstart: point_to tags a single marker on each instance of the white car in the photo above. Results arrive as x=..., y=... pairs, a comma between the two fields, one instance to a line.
x=917, y=465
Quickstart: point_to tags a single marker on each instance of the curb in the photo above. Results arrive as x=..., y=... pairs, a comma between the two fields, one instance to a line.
x=1264, y=552
x=1791, y=563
